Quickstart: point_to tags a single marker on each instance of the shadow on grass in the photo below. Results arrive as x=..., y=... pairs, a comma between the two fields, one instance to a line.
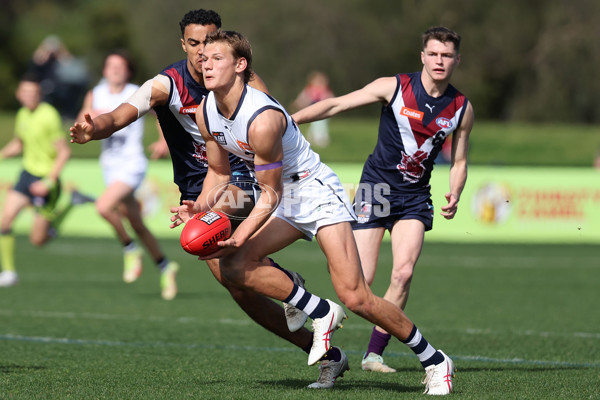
x=350, y=384
x=8, y=369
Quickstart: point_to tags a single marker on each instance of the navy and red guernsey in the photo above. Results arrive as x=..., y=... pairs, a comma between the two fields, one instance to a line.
x=412, y=129
x=178, y=122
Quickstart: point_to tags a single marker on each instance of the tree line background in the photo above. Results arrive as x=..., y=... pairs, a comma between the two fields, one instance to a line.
x=530, y=61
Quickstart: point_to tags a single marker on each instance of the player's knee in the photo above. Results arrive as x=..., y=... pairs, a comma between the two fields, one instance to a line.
x=103, y=210
x=401, y=277
x=356, y=301
x=38, y=240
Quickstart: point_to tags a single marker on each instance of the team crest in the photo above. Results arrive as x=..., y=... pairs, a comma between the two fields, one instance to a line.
x=411, y=167
x=200, y=153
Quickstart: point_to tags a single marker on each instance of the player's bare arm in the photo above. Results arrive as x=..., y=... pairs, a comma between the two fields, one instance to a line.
x=150, y=94
x=458, y=166
x=12, y=148
x=380, y=90
x=264, y=136
x=219, y=169
x=215, y=182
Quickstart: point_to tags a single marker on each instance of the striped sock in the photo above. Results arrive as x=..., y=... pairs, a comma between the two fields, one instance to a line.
x=313, y=305
x=421, y=347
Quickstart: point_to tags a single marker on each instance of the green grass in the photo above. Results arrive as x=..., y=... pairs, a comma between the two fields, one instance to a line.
x=519, y=321
x=492, y=143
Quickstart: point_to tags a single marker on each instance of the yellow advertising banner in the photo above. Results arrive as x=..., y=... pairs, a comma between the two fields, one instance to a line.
x=514, y=204
x=499, y=204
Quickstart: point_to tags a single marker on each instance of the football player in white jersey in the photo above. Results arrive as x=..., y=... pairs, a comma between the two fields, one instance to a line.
x=294, y=204
x=124, y=166
x=155, y=95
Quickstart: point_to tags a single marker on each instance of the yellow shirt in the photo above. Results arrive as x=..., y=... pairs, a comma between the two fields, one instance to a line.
x=39, y=130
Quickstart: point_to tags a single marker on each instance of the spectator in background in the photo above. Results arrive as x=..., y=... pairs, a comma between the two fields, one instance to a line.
x=597, y=160
x=124, y=166
x=39, y=136
x=316, y=89
x=63, y=77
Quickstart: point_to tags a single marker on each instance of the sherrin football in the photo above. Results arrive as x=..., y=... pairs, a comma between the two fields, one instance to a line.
x=202, y=232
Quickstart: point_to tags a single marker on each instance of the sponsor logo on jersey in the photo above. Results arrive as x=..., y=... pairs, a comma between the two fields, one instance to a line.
x=364, y=213
x=220, y=138
x=188, y=109
x=244, y=146
x=410, y=113
x=443, y=122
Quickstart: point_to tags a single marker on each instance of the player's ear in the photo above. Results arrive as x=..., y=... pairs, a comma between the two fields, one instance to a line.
x=241, y=64
x=183, y=45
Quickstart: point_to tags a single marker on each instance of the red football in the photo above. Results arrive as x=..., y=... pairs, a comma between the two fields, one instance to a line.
x=202, y=232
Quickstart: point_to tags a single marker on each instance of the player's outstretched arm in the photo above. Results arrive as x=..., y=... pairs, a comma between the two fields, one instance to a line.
x=103, y=125
x=380, y=90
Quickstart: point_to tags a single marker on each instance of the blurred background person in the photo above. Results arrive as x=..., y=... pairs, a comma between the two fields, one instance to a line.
x=63, y=76
x=316, y=89
x=39, y=136
x=124, y=166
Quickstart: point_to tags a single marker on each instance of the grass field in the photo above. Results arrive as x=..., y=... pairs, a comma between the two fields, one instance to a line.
x=519, y=321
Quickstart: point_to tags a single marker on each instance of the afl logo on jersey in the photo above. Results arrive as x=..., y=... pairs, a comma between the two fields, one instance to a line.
x=443, y=123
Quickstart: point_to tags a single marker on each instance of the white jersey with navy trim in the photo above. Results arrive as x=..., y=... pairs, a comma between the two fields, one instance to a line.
x=299, y=161
x=125, y=145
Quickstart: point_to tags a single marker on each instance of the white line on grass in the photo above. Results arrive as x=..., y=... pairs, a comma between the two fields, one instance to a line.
x=248, y=322
x=68, y=341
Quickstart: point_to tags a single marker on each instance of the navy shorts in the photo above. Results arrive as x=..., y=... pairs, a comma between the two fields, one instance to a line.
x=376, y=211
x=45, y=205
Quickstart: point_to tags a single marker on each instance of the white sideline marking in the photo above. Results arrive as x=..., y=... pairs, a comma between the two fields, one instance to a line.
x=247, y=322
x=68, y=341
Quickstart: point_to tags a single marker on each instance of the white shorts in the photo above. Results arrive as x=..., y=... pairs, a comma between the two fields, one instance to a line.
x=315, y=201
x=130, y=173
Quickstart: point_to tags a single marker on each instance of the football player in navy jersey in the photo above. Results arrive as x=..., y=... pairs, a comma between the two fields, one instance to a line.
x=419, y=110
x=174, y=95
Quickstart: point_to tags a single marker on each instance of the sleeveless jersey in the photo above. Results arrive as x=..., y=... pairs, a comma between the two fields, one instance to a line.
x=125, y=144
x=299, y=161
x=178, y=122
x=412, y=129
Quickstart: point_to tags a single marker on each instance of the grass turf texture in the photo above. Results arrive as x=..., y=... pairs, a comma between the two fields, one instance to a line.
x=519, y=321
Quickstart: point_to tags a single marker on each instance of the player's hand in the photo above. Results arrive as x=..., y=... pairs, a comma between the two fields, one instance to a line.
x=449, y=210
x=81, y=132
x=158, y=149
x=183, y=213
x=228, y=246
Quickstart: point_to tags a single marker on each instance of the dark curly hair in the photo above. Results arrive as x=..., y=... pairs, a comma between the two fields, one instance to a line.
x=200, y=17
